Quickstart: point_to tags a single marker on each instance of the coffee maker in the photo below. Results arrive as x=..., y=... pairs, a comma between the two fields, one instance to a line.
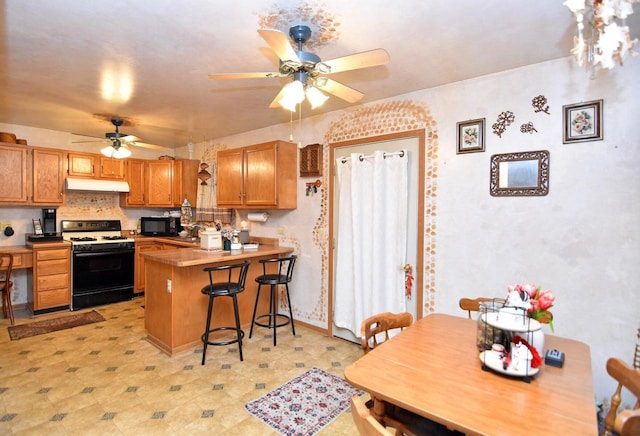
x=49, y=221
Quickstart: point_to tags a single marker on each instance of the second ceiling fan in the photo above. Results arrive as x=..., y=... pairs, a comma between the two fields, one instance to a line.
x=308, y=71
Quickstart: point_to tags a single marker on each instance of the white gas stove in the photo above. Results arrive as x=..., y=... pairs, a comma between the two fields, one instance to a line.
x=89, y=235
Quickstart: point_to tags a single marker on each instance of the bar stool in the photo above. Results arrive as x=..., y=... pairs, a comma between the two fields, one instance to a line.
x=283, y=277
x=236, y=277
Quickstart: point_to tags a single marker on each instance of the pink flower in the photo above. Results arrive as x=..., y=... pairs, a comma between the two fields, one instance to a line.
x=546, y=299
x=540, y=302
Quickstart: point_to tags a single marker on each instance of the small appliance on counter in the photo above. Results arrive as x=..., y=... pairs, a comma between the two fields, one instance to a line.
x=45, y=230
x=160, y=226
x=211, y=239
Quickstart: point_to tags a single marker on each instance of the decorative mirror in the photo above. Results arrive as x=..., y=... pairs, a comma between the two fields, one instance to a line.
x=522, y=174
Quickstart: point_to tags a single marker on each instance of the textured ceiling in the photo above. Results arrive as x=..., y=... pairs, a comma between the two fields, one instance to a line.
x=67, y=65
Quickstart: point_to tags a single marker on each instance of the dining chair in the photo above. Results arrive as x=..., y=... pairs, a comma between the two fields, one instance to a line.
x=627, y=421
x=382, y=323
x=472, y=304
x=6, y=263
x=365, y=423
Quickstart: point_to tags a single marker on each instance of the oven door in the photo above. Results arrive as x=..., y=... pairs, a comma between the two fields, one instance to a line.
x=102, y=277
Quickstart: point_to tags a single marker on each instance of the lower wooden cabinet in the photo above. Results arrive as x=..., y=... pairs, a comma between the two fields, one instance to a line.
x=50, y=277
x=143, y=247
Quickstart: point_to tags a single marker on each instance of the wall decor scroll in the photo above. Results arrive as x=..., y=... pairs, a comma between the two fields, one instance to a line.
x=582, y=122
x=524, y=174
x=539, y=104
x=504, y=119
x=528, y=128
x=470, y=136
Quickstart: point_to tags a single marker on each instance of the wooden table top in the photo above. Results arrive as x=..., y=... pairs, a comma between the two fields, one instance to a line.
x=433, y=368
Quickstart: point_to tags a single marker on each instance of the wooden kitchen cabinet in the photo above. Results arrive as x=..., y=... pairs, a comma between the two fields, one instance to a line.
x=50, y=277
x=95, y=166
x=112, y=168
x=142, y=246
x=258, y=176
x=13, y=167
x=135, y=176
x=81, y=164
x=158, y=179
x=47, y=176
x=185, y=181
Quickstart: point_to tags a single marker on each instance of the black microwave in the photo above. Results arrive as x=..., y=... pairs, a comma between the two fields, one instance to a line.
x=160, y=226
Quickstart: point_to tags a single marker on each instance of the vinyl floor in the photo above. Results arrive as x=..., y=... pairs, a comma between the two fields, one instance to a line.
x=106, y=379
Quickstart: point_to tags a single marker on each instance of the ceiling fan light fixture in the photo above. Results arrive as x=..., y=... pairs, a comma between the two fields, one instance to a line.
x=315, y=97
x=293, y=94
x=118, y=153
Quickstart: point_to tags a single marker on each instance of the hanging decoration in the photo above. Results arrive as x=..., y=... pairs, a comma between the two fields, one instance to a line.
x=539, y=104
x=606, y=41
x=528, y=128
x=504, y=119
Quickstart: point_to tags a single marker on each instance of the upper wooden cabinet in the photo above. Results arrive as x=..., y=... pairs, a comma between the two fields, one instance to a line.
x=33, y=175
x=160, y=183
x=258, y=176
x=95, y=166
x=48, y=176
x=13, y=167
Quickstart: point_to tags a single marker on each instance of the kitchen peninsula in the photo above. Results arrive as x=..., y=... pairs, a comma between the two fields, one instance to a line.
x=176, y=310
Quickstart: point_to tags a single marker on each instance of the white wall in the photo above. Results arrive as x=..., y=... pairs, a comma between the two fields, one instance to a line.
x=582, y=240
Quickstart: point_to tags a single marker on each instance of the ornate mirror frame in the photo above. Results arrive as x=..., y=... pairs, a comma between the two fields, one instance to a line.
x=523, y=174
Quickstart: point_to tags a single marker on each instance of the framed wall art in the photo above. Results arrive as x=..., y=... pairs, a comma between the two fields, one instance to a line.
x=523, y=174
x=470, y=136
x=582, y=122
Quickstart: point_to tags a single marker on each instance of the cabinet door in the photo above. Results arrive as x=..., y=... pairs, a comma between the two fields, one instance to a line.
x=230, y=178
x=185, y=181
x=159, y=176
x=135, y=178
x=13, y=167
x=260, y=176
x=81, y=164
x=139, y=269
x=48, y=176
x=112, y=168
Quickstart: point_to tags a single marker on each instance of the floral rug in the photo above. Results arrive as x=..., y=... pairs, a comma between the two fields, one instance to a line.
x=305, y=404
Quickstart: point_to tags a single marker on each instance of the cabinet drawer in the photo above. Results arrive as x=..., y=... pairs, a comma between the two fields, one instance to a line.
x=54, y=281
x=61, y=253
x=53, y=298
x=55, y=266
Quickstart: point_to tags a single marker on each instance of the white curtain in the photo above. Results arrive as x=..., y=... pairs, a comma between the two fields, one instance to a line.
x=371, y=237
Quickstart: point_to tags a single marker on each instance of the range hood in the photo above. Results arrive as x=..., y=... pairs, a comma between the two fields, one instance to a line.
x=96, y=185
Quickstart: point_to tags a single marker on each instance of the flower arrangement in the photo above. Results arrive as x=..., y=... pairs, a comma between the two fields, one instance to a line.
x=539, y=302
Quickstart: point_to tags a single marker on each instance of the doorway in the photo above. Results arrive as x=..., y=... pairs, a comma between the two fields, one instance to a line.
x=413, y=143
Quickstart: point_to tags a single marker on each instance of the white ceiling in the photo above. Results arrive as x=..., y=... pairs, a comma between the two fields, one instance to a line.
x=55, y=56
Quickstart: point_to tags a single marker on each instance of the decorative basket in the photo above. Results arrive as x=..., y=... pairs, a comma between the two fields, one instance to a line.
x=8, y=137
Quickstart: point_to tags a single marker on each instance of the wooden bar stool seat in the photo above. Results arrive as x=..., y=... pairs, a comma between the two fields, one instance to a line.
x=236, y=276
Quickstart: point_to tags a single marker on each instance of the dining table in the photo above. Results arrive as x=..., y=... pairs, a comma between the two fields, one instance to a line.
x=433, y=368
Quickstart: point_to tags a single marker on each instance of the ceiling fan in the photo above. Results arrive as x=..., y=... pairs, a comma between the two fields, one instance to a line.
x=307, y=70
x=119, y=141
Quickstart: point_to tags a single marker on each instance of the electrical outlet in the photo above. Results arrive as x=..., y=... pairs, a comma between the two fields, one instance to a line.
x=169, y=286
x=281, y=230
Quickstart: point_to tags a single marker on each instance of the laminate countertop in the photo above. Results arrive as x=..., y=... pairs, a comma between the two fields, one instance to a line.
x=185, y=257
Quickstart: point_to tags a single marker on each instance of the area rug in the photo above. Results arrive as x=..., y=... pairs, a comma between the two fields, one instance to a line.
x=305, y=404
x=22, y=331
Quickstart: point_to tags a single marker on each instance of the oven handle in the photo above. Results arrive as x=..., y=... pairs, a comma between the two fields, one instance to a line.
x=102, y=253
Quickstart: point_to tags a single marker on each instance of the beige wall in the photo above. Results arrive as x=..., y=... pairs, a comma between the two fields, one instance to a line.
x=581, y=240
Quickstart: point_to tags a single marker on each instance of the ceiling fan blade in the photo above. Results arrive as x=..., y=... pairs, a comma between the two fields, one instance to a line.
x=341, y=91
x=279, y=43
x=220, y=76
x=274, y=103
x=365, y=59
x=144, y=145
x=88, y=136
x=87, y=142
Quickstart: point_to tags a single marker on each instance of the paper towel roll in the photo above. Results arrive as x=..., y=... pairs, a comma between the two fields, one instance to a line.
x=258, y=217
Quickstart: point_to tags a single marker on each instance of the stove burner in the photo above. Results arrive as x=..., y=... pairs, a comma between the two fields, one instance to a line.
x=84, y=238
x=114, y=238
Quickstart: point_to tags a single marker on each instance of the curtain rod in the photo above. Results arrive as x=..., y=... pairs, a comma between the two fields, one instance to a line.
x=363, y=157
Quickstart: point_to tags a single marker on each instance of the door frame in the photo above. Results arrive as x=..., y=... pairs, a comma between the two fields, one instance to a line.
x=418, y=272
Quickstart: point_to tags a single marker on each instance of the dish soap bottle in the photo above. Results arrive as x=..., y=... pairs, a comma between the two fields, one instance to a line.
x=185, y=213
